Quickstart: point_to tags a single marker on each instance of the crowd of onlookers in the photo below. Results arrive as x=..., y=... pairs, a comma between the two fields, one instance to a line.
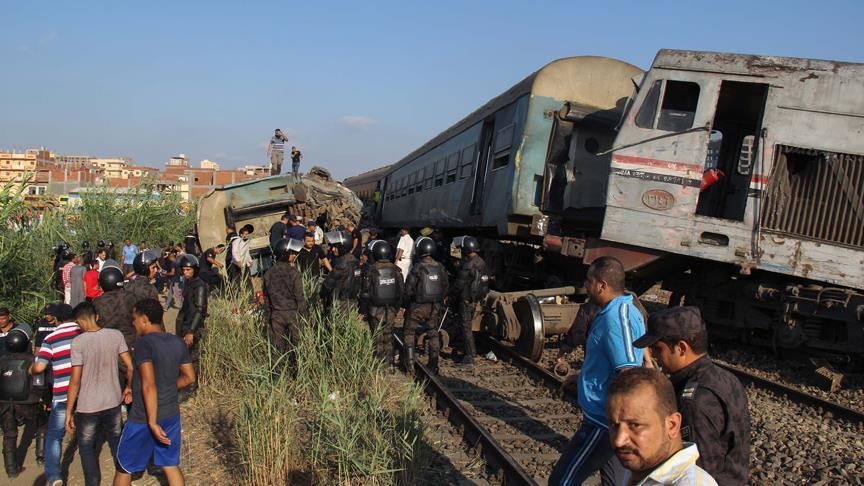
x=639, y=426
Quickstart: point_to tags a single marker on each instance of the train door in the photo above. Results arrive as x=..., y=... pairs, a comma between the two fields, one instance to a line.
x=480, y=172
x=732, y=150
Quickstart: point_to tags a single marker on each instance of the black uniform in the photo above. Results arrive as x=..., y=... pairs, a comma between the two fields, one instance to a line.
x=115, y=312
x=13, y=376
x=425, y=289
x=283, y=292
x=340, y=283
x=713, y=405
x=141, y=288
x=469, y=288
x=191, y=317
x=382, y=293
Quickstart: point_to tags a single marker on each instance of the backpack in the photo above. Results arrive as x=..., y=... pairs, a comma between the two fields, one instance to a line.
x=430, y=284
x=355, y=279
x=14, y=380
x=384, y=289
x=480, y=284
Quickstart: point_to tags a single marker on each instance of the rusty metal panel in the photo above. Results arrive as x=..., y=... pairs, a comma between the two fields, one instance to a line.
x=816, y=194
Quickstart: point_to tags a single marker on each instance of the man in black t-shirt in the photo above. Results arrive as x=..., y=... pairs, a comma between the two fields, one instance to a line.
x=162, y=366
x=279, y=230
x=356, y=239
x=311, y=256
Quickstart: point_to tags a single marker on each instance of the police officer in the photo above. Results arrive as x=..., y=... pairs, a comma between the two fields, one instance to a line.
x=114, y=306
x=145, y=266
x=425, y=289
x=382, y=294
x=340, y=282
x=19, y=400
x=469, y=288
x=712, y=402
x=190, y=319
x=283, y=293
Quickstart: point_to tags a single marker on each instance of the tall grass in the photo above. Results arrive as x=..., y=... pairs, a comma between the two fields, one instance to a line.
x=27, y=236
x=342, y=419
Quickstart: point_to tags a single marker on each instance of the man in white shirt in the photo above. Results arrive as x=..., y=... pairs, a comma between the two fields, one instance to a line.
x=645, y=431
x=404, y=249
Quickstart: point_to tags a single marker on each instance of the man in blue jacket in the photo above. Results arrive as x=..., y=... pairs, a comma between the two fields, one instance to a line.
x=608, y=350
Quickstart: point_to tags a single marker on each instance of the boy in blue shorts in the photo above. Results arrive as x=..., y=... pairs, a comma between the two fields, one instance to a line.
x=162, y=367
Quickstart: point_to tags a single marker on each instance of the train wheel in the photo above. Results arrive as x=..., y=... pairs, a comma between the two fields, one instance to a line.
x=532, y=336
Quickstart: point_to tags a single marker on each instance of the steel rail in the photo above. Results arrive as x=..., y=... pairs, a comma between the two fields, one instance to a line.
x=507, y=470
x=837, y=410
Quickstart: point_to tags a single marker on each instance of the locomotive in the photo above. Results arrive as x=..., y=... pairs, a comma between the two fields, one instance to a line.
x=735, y=180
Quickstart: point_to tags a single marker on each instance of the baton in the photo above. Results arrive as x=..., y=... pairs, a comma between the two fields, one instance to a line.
x=446, y=310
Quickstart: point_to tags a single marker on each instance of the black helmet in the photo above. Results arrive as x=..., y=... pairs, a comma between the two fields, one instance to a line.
x=285, y=247
x=85, y=245
x=143, y=260
x=468, y=244
x=110, y=278
x=425, y=246
x=380, y=250
x=18, y=339
x=337, y=238
x=187, y=260
x=68, y=254
x=100, y=244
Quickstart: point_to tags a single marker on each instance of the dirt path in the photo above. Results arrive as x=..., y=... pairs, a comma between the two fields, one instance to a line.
x=197, y=459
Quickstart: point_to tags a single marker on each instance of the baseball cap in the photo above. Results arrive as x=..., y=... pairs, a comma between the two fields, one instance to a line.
x=675, y=322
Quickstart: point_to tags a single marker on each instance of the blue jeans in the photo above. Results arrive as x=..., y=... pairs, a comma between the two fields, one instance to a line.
x=87, y=426
x=54, y=441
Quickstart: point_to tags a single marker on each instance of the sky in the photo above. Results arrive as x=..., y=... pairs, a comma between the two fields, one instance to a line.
x=354, y=85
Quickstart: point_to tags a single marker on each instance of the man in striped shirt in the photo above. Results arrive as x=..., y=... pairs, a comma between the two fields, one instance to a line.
x=56, y=351
x=608, y=350
x=276, y=151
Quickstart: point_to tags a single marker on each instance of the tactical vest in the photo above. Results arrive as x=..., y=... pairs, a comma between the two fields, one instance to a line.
x=383, y=289
x=14, y=380
x=355, y=280
x=479, y=284
x=430, y=284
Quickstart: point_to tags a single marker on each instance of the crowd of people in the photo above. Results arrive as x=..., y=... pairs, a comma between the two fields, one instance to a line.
x=106, y=348
x=97, y=357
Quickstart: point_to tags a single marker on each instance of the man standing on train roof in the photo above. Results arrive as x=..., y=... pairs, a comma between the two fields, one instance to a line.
x=296, y=157
x=711, y=400
x=608, y=350
x=276, y=151
x=469, y=288
x=404, y=249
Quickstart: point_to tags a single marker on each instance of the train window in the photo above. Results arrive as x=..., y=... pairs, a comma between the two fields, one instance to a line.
x=504, y=138
x=427, y=177
x=451, y=176
x=677, y=106
x=501, y=160
x=648, y=110
x=467, y=162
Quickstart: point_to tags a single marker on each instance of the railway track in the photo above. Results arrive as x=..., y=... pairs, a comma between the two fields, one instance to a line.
x=826, y=408
x=509, y=411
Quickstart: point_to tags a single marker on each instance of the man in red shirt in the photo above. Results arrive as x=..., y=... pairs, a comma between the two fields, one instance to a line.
x=91, y=281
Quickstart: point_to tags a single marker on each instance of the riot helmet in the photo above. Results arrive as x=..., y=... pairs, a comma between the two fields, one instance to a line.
x=467, y=244
x=100, y=244
x=424, y=246
x=18, y=339
x=143, y=260
x=380, y=250
x=68, y=254
x=85, y=245
x=286, y=247
x=337, y=237
x=189, y=260
x=110, y=278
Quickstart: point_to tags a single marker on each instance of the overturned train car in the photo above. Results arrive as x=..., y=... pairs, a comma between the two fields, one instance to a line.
x=736, y=180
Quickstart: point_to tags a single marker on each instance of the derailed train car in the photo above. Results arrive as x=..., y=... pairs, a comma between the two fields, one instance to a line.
x=736, y=180
x=747, y=173
x=262, y=202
